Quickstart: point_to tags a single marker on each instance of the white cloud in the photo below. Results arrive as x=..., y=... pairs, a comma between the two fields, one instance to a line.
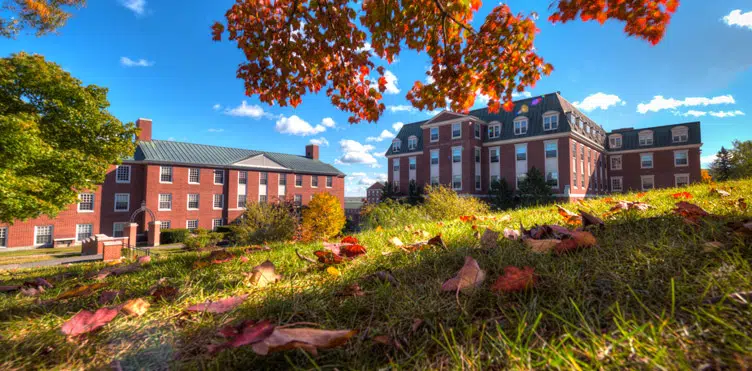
x=320, y=142
x=217, y=107
x=397, y=126
x=386, y=134
x=598, y=101
x=171, y=139
x=363, y=179
x=366, y=47
x=524, y=94
x=659, y=103
x=213, y=130
x=137, y=6
x=359, y=174
x=722, y=114
x=391, y=83
x=694, y=113
x=430, y=79
x=707, y=160
x=401, y=108
x=127, y=62
x=328, y=122
x=245, y=110
x=356, y=153
x=737, y=18
x=294, y=125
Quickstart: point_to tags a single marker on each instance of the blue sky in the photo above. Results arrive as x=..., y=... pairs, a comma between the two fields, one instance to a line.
x=159, y=62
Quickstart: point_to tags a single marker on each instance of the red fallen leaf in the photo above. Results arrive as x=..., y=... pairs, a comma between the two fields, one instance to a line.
x=352, y=251
x=690, y=212
x=84, y=321
x=350, y=239
x=468, y=218
x=248, y=332
x=328, y=257
x=220, y=256
x=515, y=279
x=684, y=195
x=308, y=339
x=641, y=194
x=220, y=306
x=569, y=217
x=468, y=277
x=85, y=290
x=244, y=259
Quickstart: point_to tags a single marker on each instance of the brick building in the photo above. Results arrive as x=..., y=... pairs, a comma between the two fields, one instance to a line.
x=374, y=192
x=577, y=156
x=186, y=186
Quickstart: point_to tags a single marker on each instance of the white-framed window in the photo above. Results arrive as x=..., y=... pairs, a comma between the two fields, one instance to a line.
x=298, y=200
x=117, y=229
x=262, y=199
x=552, y=149
x=217, y=223
x=614, y=140
x=520, y=178
x=616, y=162
x=43, y=235
x=494, y=131
x=298, y=180
x=646, y=160
x=477, y=183
x=435, y=157
x=434, y=133
x=191, y=224
x=193, y=201
x=122, y=202
x=85, y=202
x=434, y=180
x=263, y=178
x=412, y=142
x=395, y=164
x=243, y=177
x=165, y=224
x=520, y=126
x=493, y=154
x=165, y=174
x=123, y=174
x=574, y=178
x=494, y=178
x=456, y=154
x=283, y=179
x=241, y=201
x=648, y=182
x=616, y=184
x=681, y=158
x=457, y=182
x=412, y=163
x=646, y=137
x=477, y=129
x=679, y=134
x=3, y=236
x=521, y=153
x=574, y=150
x=477, y=155
x=219, y=201
x=329, y=181
x=314, y=181
x=681, y=180
x=194, y=175
x=551, y=121
x=552, y=178
x=165, y=202
x=219, y=176
x=83, y=231
x=457, y=130
x=396, y=145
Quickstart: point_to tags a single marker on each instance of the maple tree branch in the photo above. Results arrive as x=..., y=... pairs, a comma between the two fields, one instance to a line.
x=446, y=14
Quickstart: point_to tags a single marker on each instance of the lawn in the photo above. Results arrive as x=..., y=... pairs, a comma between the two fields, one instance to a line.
x=639, y=299
x=24, y=256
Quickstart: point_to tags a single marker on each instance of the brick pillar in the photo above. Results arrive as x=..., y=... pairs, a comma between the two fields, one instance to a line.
x=130, y=231
x=153, y=234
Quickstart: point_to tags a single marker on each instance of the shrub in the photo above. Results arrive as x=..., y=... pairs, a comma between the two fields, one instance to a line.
x=414, y=193
x=264, y=222
x=501, y=195
x=534, y=189
x=324, y=217
x=390, y=213
x=177, y=235
x=444, y=203
x=202, y=239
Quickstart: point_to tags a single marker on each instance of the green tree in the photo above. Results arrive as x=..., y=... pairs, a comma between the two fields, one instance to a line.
x=56, y=137
x=502, y=196
x=44, y=16
x=534, y=189
x=720, y=169
x=414, y=193
x=390, y=192
x=741, y=159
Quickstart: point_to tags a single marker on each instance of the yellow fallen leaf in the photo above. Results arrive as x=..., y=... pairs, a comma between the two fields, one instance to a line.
x=333, y=271
x=396, y=242
x=136, y=307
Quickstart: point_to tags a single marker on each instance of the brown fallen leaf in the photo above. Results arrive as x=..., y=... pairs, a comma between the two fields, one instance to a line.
x=303, y=257
x=541, y=246
x=263, y=274
x=468, y=277
x=167, y=293
x=590, y=219
x=144, y=260
x=712, y=246
x=308, y=339
x=219, y=306
x=248, y=332
x=328, y=257
x=569, y=217
x=422, y=234
x=220, y=256
x=437, y=241
x=107, y=297
x=85, y=290
x=351, y=290
x=690, y=212
x=417, y=322
x=514, y=279
x=10, y=288
x=489, y=238
x=84, y=321
x=136, y=307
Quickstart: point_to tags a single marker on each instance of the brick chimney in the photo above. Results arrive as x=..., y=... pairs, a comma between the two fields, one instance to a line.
x=145, y=126
x=312, y=151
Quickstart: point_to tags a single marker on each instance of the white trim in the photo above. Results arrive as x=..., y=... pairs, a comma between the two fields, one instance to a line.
x=645, y=133
x=159, y=201
x=189, y=175
x=188, y=201
x=5, y=244
x=52, y=234
x=615, y=136
x=459, y=148
x=190, y=220
x=454, y=176
x=548, y=114
x=520, y=119
x=525, y=139
x=652, y=160
x=272, y=164
x=656, y=149
x=681, y=175
x=460, y=126
x=408, y=143
x=685, y=151
x=214, y=175
x=461, y=117
x=683, y=130
x=438, y=134
x=317, y=181
x=405, y=154
x=611, y=162
x=93, y=202
x=295, y=181
x=122, y=231
x=114, y=206
x=611, y=183
x=642, y=181
x=214, y=201
x=172, y=174
x=129, y=174
x=493, y=124
x=77, y=232
x=214, y=223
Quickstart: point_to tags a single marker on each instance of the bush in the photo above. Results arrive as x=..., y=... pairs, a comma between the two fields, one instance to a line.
x=264, y=222
x=202, y=239
x=501, y=195
x=534, y=189
x=177, y=235
x=324, y=217
x=390, y=213
x=444, y=203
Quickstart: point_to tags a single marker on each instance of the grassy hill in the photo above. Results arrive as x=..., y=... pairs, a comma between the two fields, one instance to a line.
x=640, y=299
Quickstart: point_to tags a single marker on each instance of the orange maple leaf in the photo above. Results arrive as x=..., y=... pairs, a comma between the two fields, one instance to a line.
x=515, y=279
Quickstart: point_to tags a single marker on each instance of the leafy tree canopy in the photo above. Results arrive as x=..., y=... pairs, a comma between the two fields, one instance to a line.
x=56, y=137
x=295, y=47
x=44, y=16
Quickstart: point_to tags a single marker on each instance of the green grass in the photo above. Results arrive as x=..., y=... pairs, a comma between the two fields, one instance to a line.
x=635, y=301
x=24, y=256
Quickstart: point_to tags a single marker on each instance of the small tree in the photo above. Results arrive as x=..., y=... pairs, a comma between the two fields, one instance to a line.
x=264, y=222
x=720, y=169
x=741, y=159
x=534, y=189
x=414, y=193
x=324, y=217
x=443, y=203
x=502, y=196
x=390, y=192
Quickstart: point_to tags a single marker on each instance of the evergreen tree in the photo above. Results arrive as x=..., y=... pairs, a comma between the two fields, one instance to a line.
x=721, y=167
x=414, y=193
x=502, y=196
x=534, y=189
x=390, y=192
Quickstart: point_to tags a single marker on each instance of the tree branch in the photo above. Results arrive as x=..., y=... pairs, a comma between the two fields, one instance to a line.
x=446, y=14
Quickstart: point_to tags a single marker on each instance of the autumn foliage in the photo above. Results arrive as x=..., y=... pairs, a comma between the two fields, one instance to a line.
x=324, y=217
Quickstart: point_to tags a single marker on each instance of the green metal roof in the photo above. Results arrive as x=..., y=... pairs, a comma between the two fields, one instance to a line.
x=164, y=151
x=661, y=136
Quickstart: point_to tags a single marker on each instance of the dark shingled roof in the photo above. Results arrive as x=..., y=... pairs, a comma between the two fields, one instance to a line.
x=163, y=151
x=661, y=136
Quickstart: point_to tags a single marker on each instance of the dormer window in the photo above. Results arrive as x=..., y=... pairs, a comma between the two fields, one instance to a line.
x=680, y=134
x=551, y=121
x=646, y=138
x=520, y=126
x=614, y=141
x=396, y=145
x=412, y=142
x=494, y=130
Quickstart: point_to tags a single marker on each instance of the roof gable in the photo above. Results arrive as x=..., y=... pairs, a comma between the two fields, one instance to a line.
x=445, y=116
x=259, y=161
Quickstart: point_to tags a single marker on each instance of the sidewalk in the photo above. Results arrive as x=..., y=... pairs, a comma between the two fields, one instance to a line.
x=53, y=262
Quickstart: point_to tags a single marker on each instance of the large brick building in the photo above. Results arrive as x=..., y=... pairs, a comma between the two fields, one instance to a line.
x=185, y=185
x=578, y=157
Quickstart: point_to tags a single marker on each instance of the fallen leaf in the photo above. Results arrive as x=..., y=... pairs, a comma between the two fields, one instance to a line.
x=720, y=192
x=257, y=248
x=690, y=212
x=468, y=218
x=468, y=277
x=590, y=219
x=684, y=195
x=350, y=239
x=352, y=290
x=333, y=271
x=396, y=242
x=514, y=279
x=32, y=291
x=144, y=260
x=379, y=229
x=385, y=276
x=248, y=332
x=711, y=246
x=244, y=259
x=85, y=290
x=220, y=256
x=641, y=194
x=541, y=246
x=304, y=258
x=417, y=322
x=328, y=257
x=422, y=234
x=352, y=251
x=167, y=293
x=220, y=306
x=437, y=241
x=511, y=234
x=10, y=288
x=107, y=297
x=198, y=264
x=263, y=274
x=136, y=307
x=569, y=217
x=84, y=321
x=308, y=339
x=382, y=339
x=489, y=238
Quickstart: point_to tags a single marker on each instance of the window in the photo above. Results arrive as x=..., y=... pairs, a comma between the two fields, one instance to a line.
x=681, y=158
x=122, y=201
x=314, y=181
x=551, y=122
x=241, y=200
x=615, y=162
x=3, y=236
x=615, y=141
x=574, y=179
x=494, y=131
x=117, y=229
x=521, y=153
x=283, y=179
x=193, y=201
x=616, y=185
x=646, y=160
x=456, y=130
x=329, y=181
x=477, y=129
x=552, y=178
x=165, y=224
x=520, y=126
x=494, y=178
x=646, y=138
x=217, y=223
x=298, y=200
x=262, y=199
x=456, y=154
x=477, y=182
x=86, y=202
x=679, y=134
x=219, y=176
x=574, y=151
x=412, y=163
x=191, y=225
x=165, y=201
x=412, y=142
x=194, y=176
x=219, y=201
x=396, y=145
x=552, y=150
x=435, y=157
x=477, y=155
x=83, y=231
x=43, y=235
x=123, y=174
x=434, y=180
x=493, y=153
x=298, y=180
x=681, y=180
x=165, y=174
x=263, y=178
x=434, y=134
x=457, y=182
x=647, y=182
x=582, y=153
x=396, y=165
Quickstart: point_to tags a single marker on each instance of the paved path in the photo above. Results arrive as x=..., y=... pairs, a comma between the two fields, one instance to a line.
x=53, y=262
